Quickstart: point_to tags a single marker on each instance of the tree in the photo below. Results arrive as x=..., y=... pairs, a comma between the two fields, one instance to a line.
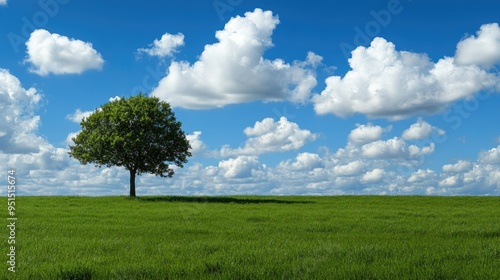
x=140, y=133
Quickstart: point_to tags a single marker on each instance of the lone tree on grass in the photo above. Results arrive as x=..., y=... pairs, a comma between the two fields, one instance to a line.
x=140, y=133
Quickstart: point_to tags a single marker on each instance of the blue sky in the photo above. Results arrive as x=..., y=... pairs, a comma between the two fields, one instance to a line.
x=320, y=98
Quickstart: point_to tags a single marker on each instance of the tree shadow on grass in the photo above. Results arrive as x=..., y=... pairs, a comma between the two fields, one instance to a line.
x=217, y=199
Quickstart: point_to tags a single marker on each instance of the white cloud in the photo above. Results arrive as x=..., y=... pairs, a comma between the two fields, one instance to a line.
x=234, y=70
x=57, y=54
x=312, y=59
x=391, y=148
x=19, y=122
x=491, y=156
x=240, y=167
x=362, y=162
x=303, y=161
x=351, y=169
x=373, y=176
x=3, y=2
x=69, y=139
x=420, y=130
x=395, y=84
x=20, y=145
x=271, y=136
x=414, y=150
x=483, y=49
x=421, y=176
x=365, y=133
x=483, y=178
x=78, y=116
x=46, y=158
x=78, y=180
x=450, y=181
x=111, y=99
x=472, y=178
x=164, y=47
x=460, y=166
x=395, y=148
x=197, y=146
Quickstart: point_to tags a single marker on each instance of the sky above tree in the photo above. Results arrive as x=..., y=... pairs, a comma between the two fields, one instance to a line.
x=280, y=98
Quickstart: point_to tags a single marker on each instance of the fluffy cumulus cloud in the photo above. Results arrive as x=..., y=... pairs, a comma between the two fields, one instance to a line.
x=449, y=181
x=481, y=179
x=239, y=167
x=371, y=164
x=197, y=146
x=53, y=53
x=365, y=134
x=78, y=115
x=460, y=166
x=395, y=148
x=367, y=164
x=3, y=2
x=391, y=148
x=271, y=136
x=491, y=156
x=164, y=47
x=111, y=99
x=20, y=145
x=385, y=82
x=19, y=122
x=234, y=70
x=69, y=138
x=349, y=169
x=303, y=161
x=373, y=176
x=421, y=130
x=478, y=177
x=483, y=49
x=422, y=176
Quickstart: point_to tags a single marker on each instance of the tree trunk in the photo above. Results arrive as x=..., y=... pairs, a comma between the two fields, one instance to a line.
x=132, y=183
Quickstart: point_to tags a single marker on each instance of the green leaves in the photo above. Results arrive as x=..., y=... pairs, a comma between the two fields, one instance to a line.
x=140, y=133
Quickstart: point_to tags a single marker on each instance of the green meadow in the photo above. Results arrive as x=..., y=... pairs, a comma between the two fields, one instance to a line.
x=256, y=237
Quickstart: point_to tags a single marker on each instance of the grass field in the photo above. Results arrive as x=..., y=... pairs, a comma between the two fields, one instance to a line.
x=344, y=237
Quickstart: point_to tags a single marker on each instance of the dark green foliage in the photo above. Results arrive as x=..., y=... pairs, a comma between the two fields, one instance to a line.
x=140, y=133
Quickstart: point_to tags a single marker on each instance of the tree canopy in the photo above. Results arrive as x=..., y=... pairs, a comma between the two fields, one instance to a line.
x=140, y=133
